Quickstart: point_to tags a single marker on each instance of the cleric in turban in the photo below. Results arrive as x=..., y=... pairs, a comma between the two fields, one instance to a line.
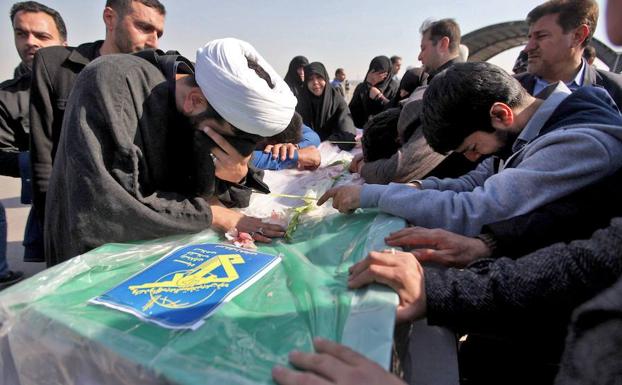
x=152, y=146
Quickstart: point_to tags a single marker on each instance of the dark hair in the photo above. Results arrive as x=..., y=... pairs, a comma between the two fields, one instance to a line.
x=589, y=52
x=291, y=134
x=338, y=71
x=520, y=64
x=572, y=14
x=33, y=6
x=395, y=58
x=380, y=138
x=123, y=6
x=457, y=102
x=443, y=28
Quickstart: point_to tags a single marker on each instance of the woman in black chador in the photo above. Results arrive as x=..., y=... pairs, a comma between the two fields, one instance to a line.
x=324, y=109
x=295, y=75
x=371, y=96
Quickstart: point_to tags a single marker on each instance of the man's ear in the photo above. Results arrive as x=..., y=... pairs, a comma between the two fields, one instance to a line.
x=580, y=34
x=444, y=43
x=501, y=116
x=110, y=18
x=194, y=101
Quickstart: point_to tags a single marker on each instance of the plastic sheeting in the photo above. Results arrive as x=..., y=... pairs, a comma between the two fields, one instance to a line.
x=49, y=334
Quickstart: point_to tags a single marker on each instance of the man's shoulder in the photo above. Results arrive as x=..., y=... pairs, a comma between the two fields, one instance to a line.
x=111, y=70
x=58, y=54
x=122, y=62
x=608, y=78
x=609, y=74
x=10, y=84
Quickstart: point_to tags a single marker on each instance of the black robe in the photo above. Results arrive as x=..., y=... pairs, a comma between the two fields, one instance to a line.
x=291, y=77
x=328, y=114
x=361, y=106
x=125, y=169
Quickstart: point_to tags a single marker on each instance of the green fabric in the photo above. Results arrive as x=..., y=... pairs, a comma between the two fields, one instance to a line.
x=303, y=297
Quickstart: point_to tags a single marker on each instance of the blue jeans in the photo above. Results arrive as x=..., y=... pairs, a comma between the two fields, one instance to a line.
x=4, y=266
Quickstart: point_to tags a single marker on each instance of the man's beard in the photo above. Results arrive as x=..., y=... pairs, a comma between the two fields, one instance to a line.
x=507, y=139
x=123, y=41
x=243, y=142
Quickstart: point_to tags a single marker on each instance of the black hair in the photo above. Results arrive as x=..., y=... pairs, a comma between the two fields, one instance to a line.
x=123, y=6
x=443, y=28
x=380, y=138
x=457, y=102
x=571, y=14
x=33, y=6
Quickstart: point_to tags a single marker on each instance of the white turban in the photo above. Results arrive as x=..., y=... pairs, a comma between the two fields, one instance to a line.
x=237, y=93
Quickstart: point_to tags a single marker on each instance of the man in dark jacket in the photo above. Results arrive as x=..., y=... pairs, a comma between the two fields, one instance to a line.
x=134, y=161
x=131, y=25
x=526, y=303
x=35, y=26
x=559, y=31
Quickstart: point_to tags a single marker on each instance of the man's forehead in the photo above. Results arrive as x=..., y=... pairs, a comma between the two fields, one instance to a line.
x=145, y=14
x=425, y=37
x=37, y=17
x=546, y=23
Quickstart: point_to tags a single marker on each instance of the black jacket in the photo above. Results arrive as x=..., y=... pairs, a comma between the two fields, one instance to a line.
x=575, y=216
x=610, y=81
x=54, y=72
x=593, y=351
x=14, y=122
x=516, y=311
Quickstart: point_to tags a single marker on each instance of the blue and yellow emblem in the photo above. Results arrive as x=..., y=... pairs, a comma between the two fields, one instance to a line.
x=187, y=285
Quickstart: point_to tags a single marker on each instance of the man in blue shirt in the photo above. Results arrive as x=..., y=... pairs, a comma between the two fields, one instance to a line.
x=559, y=31
x=302, y=153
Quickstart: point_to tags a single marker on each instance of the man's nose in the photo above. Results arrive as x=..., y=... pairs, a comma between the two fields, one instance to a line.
x=152, y=40
x=32, y=40
x=531, y=45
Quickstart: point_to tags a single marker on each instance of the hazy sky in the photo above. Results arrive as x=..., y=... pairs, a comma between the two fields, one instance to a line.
x=345, y=33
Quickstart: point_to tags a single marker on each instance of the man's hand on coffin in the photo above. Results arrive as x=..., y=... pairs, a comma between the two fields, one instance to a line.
x=332, y=363
x=346, y=199
x=281, y=150
x=357, y=164
x=399, y=270
x=440, y=246
x=226, y=219
x=309, y=158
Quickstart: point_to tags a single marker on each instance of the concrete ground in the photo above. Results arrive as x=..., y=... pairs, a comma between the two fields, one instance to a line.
x=17, y=214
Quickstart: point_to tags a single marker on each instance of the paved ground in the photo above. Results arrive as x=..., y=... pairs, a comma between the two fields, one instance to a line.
x=17, y=214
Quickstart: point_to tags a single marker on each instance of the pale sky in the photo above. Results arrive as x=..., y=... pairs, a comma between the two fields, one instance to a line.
x=347, y=33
